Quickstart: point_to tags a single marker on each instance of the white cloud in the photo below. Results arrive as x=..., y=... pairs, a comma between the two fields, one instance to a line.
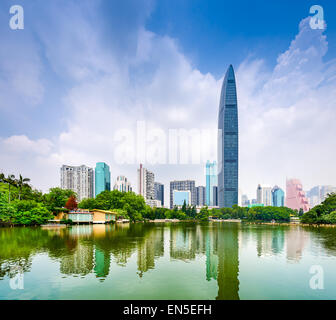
x=287, y=120
x=22, y=144
x=31, y=158
x=286, y=114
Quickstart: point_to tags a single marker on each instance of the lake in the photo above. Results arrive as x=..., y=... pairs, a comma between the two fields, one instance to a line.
x=215, y=260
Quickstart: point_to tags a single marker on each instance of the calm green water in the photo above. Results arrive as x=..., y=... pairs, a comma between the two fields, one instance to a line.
x=166, y=261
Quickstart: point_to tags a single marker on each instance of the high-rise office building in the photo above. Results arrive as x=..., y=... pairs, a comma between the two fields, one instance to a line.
x=211, y=181
x=78, y=179
x=200, y=196
x=314, y=196
x=184, y=185
x=102, y=178
x=146, y=183
x=244, y=200
x=264, y=195
x=278, y=197
x=122, y=184
x=325, y=191
x=318, y=194
x=259, y=194
x=159, y=192
x=215, y=196
x=295, y=196
x=228, y=142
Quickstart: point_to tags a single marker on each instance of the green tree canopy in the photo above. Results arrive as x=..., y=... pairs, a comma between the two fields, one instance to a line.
x=322, y=213
x=57, y=198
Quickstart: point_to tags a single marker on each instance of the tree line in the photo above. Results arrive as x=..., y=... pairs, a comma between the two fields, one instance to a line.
x=324, y=213
x=11, y=182
x=133, y=206
x=20, y=204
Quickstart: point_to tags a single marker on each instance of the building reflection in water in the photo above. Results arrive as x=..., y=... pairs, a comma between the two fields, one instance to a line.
x=92, y=250
x=150, y=249
x=222, y=259
x=211, y=255
x=219, y=243
x=87, y=249
x=274, y=240
x=186, y=241
x=97, y=249
x=181, y=243
x=79, y=261
x=94, y=246
x=270, y=241
x=102, y=263
x=296, y=239
x=278, y=241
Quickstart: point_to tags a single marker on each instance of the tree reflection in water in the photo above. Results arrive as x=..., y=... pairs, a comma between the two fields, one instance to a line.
x=97, y=249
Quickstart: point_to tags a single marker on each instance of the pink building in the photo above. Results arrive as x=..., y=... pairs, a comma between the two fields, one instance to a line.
x=295, y=196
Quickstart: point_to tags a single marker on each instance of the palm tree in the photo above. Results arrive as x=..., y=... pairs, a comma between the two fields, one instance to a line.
x=21, y=182
x=10, y=180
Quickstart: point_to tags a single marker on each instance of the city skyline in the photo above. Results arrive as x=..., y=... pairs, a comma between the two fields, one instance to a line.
x=44, y=119
x=316, y=194
x=74, y=177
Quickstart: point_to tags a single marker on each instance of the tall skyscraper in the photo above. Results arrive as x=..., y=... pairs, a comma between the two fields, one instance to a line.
x=264, y=195
x=102, y=178
x=228, y=142
x=211, y=181
x=159, y=192
x=78, y=179
x=122, y=184
x=215, y=196
x=146, y=183
x=200, y=196
x=259, y=194
x=278, y=197
x=295, y=196
x=184, y=185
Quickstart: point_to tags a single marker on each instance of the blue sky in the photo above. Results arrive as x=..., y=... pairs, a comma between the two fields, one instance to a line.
x=83, y=72
x=214, y=32
x=210, y=33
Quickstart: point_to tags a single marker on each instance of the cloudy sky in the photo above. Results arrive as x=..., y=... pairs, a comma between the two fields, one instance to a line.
x=89, y=81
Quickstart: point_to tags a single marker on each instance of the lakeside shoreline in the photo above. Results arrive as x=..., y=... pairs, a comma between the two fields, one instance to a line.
x=292, y=224
x=186, y=221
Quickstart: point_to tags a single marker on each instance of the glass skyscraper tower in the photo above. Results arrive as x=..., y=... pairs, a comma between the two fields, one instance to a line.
x=278, y=197
x=102, y=178
x=211, y=182
x=228, y=142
